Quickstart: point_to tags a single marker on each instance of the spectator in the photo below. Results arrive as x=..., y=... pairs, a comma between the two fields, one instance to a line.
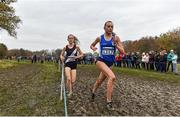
x=137, y=59
x=143, y=60
x=162, y=61
x=118, y=60
x=146, y=61
x=174, y=62
x=157, y=61
x=151, y=60
x=169, y=59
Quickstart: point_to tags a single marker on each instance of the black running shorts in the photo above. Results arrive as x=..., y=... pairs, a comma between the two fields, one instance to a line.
x=72, y=65
x=109, y=64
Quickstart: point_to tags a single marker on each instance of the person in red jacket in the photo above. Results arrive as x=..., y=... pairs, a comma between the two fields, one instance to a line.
x=118, y=59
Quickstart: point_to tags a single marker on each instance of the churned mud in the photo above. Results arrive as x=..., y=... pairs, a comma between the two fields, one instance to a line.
x=131, y=96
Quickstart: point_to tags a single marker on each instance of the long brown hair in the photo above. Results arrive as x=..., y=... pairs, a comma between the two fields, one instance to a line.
x=113, y=34
x=76, y=40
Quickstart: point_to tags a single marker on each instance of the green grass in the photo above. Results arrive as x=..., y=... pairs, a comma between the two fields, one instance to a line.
x=36, y=95
x=11, y=63
x=169, y=76
x=151, y=75
x=7, y=64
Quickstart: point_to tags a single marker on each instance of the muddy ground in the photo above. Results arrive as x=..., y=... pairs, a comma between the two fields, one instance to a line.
x=132, y=96
x=31, y=90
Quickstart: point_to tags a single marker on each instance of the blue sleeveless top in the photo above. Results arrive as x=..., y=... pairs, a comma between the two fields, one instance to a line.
x=107, y=49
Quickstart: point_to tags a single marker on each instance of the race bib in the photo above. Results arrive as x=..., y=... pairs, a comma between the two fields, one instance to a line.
x=108, y=51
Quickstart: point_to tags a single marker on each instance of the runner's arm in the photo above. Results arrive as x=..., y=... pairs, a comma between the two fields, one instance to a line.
x=94, y=44
x=81, y=54
x=119, y=45
x=62, y=54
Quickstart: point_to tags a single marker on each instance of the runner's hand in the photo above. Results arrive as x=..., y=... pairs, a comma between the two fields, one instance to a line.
x=115, y=41
x=62, y=59
x=76, y=57
x=94, y=48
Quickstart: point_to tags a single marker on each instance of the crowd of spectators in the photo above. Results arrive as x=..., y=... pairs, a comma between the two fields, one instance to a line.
x=152, y=60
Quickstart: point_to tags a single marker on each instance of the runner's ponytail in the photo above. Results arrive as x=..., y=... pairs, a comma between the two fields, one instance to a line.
x=76, y=40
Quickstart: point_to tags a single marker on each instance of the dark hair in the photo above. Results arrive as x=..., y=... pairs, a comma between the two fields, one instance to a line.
x=107, y=22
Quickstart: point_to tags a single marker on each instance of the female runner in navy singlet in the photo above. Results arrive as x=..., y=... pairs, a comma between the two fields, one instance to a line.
x=108, y=42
